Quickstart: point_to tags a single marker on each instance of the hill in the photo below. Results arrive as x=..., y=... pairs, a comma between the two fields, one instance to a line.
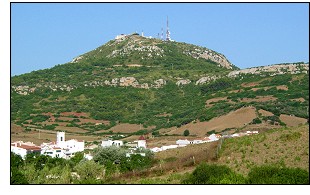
x=134, y=85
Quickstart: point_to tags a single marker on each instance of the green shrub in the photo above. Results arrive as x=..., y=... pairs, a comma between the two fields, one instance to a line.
x=17, y=177
x=275, y=175
x=186, y=132
x=213, y=174
x=256, y=121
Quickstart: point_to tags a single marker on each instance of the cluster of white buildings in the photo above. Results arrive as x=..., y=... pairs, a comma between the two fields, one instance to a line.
x=140, y=143
x=61, y=148
x=66, y=149
x=185, y=142
x=213, y=137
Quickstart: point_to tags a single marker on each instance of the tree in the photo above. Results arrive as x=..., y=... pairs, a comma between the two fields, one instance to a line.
x=89, y=170
x=16, y=161
x=108, y=155
x=186, y=132
x=77, y=158
x=212, y=174
x=17, y=177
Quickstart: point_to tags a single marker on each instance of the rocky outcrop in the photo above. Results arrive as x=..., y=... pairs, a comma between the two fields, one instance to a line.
x=183, y=82
x=77, y=59
x=273, y=70
x=207, y=79
x=208, y=54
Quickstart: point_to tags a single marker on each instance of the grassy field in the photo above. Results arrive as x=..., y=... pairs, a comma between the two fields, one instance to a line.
x=284, y=147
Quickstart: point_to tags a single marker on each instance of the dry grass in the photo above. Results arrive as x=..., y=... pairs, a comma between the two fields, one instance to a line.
x=292, y=121
x=299, y=99
x=126, y=128
x=285, y=146
x=37, y=137
x=257, y=88
x=259, y=99
x=235, y=119
x=282, y=87
x=265, y=113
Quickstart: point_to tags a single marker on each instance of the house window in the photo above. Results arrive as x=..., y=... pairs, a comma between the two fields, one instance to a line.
x=61, y=139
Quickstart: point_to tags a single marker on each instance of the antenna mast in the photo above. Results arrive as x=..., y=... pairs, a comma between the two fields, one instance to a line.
x=162, y=34
x=168, y=32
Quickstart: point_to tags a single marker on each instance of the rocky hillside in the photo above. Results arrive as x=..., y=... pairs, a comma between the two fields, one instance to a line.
x=271, y=70
x=135, y=49
x=157, y=85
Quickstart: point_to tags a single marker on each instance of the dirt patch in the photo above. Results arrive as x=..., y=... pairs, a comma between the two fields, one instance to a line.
x=52, y=123
x=38, y=137
x=62, y=118
x=259, y=99
x=236, y=91
x=77, y=114
x=265, y=113
x=214, y=100
x=70, y=129
x=252, y=84
x=134, y=65
x=299, y=99
x=265, y=88
x=264, y=126
x=235, y=119
x=93, y=121
x=292, y=120
x=16, y=128
x=163, y=115
x=282, y=87
x=126, y=128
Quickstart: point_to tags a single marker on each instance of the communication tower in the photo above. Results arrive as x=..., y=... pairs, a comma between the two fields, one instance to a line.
x=168, y=32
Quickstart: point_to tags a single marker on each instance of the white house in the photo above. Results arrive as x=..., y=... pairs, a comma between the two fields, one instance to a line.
x=251, y=132
x=214, y=137
x=52, y=151
x=109, y=143
x=182, y=142
x=121, y=36
x=23, y=149
x=141, y=143
x=70, y=147
x=197, y=141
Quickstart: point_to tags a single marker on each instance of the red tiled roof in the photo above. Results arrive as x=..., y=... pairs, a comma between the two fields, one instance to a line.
x=29, y=147
x=141, y=137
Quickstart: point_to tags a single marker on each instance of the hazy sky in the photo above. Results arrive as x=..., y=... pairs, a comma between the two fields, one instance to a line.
x=248, y=34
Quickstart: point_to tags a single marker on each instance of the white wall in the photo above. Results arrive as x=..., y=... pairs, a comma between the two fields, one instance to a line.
x=182, y=142
x=20, y=151
x=108, y=143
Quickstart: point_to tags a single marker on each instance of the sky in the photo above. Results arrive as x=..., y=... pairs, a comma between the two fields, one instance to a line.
x=248, y=34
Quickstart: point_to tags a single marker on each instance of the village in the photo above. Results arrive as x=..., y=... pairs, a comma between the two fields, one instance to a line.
x=67, y=148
